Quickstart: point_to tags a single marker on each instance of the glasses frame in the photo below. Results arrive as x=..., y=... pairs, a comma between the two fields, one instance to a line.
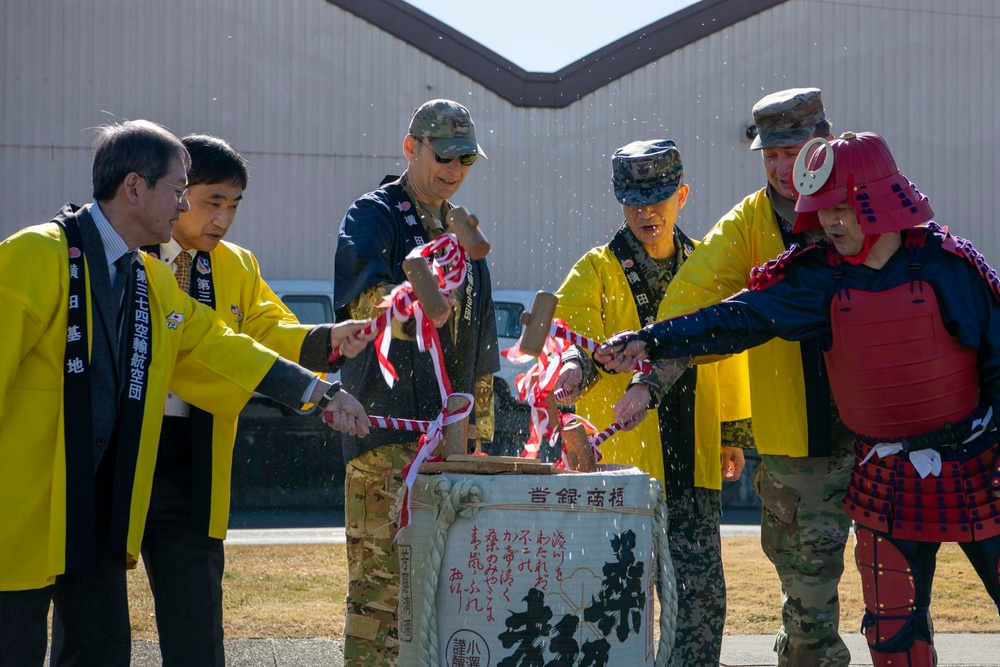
x=466, y=160
x=181, y=193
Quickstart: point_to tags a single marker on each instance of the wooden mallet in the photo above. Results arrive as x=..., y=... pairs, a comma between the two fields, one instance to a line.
x=577, y=448
x=537, y=323
x=425, y=287
x=466, y=228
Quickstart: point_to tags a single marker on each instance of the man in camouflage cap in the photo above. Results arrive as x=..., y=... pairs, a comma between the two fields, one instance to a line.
x=806, y=454
x=788, y=118
x=376, y=234
x=448, y=128
x=614, y=287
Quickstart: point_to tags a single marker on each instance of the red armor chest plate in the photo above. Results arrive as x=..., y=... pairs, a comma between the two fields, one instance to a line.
x=894, y=369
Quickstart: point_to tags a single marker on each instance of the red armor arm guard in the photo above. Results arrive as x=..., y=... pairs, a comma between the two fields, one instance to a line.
x=767, y=274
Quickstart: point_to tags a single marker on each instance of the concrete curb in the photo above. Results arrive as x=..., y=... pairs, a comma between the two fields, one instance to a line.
x=336, y=535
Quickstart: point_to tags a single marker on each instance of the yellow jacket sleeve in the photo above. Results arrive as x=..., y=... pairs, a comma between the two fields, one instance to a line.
x=746, y=237
x=216, y=369
x=249, y=306
x=595, y=301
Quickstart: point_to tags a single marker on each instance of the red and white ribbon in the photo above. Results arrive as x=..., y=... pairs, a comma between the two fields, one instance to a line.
x=534, y=387
x=392, y=423
x=399, y=424
x=593, y=436
x=560, y=330
x=606, y=433
x=399, y=305
x=425, y=450
x=448, y=261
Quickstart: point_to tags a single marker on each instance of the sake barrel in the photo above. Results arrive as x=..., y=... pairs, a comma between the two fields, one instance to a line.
x=506, y=570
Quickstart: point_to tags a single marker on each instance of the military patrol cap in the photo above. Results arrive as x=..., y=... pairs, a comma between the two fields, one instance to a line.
x=646, y=172
x=448, y=126
x=788, y=117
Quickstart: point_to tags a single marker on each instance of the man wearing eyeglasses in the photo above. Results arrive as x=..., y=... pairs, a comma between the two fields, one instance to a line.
x=376, y=234
x=94, y=333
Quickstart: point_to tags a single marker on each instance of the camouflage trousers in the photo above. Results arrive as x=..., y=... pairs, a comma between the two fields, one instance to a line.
x=371, y=637
x=804, y=532
x=696, y=551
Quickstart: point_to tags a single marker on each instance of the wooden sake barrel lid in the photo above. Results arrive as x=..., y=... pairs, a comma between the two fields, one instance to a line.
x=491, y=465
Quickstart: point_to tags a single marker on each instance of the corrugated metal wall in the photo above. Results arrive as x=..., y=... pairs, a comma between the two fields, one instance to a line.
x=319, y=100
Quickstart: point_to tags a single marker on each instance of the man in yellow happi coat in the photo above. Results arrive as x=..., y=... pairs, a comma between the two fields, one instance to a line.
x=611, y=288
x=182, y=550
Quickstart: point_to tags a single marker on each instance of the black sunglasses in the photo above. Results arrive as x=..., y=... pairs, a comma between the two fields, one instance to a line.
x=465, y=160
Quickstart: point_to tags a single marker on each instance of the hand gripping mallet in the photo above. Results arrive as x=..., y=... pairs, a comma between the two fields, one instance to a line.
x=537, y=328
x=425, y=290
x=455, y=435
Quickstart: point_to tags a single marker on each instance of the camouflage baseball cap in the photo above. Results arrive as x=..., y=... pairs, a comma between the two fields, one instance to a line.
x=448, y=126
x=646, y=172
x=788, y=117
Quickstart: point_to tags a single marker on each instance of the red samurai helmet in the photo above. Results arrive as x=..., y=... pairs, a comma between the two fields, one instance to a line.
x=857, y=168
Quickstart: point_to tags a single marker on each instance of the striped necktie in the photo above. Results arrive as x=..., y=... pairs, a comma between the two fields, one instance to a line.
x=182, y=271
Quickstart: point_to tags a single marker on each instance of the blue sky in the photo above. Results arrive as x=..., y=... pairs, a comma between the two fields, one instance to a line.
x=545, y=35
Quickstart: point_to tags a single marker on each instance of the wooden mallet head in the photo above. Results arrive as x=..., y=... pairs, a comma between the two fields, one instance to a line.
x=576, y=447
x=537, y=323
x=466, y=228
x=425, y=287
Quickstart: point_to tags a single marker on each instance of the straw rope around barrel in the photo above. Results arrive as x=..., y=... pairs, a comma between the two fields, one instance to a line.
x=666, y=581
x=453, y=500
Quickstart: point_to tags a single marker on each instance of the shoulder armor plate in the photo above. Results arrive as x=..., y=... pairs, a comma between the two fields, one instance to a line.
x=767, y=274
x=956, y=245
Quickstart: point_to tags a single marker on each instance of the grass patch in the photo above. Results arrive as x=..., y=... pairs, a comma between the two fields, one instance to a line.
x=959, y=602
x=269, y=591
x=298, y=591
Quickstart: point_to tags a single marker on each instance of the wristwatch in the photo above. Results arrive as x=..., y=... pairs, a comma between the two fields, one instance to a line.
x=325, y=399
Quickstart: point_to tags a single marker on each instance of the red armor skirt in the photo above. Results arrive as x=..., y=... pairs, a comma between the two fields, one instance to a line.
x=888, y=495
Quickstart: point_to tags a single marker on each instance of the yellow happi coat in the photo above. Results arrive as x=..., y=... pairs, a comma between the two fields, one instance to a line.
x=201, y=360
x=746, y=237
x=248, y=306
x=595, y=301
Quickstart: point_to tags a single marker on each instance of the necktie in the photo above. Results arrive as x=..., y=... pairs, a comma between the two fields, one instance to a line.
x=182, y=271
x=123, y=271
x=123, y=276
